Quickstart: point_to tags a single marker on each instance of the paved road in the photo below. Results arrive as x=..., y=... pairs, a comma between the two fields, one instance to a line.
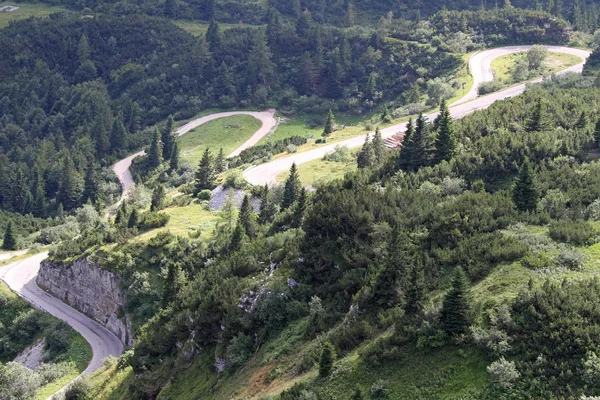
x=480, y=65
x=121, y=168
x=21, y=278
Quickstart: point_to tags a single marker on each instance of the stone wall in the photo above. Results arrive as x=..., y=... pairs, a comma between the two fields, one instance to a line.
x=91, y=290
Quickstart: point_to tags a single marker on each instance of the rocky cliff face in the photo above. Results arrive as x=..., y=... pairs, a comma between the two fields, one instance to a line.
x=90, y=289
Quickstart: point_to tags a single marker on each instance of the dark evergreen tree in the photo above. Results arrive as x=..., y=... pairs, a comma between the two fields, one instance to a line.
x=525, y=192
x=68, y=192
x=326, y=360
x=455, y=308
x=247, y=218
x=304, y=25
x=174, y=161
x=582, y=122
x=416, y=151
x=133, y=220
x=90, y=186
x=173, y=283
x=268, y=207
x=101, y=137
x=597, y=135
x=333, y=89
x=213, y=36
x=135, y=118
x=208, y=10
x=366, y=156
x=415, y=291
x=40, y=205
x=539, y=120
x=237, y=238
x=158, y=198
x=379, y=149
x=405, y=156
x=358, y=394
x=155, y=154
x=371, y=88
x=205, y=176
x=260, y=65
x=171, y=8
x=83, y=49
x=168, y=139
x=117, y=135
x=10, y=239
x=445, y=141
x=349, y=17
x=329, y=126
x=299, y=209
x=291, y=188
x=220, y=162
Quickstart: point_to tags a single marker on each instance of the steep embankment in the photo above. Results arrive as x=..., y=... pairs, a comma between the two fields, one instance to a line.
x=480, y=66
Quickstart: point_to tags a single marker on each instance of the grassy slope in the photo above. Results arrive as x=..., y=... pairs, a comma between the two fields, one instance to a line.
x=319, y=170
x=26, y=10
x=502, y=66
x=228, y=133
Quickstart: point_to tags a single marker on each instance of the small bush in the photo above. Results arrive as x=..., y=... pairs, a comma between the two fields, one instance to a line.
x=59, y=338
x=570, y=258
x=578, y=233
x=152, y=220
x=205, y=195
x=79, y=390
x=124, y=360
x=489, y=87
x=339, y=154
x=503, y=373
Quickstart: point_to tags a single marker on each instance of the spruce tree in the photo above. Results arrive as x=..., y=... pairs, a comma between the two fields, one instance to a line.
x=220, y=162
x=349, y=17
x=173, y=284
x=378, y=146
x=168, y=139
x=68, y=193
x=158, y=198
x=155, y=153
x=90, y=186
x=416, y=151
x=329, y=124
x=268, y=207
x=415, y=291
x=237, y=238
x=371, y=88
x=597, y=134
x=366, y=156
x=326, y=360
x=405, y=155
x=247, y=218
x=40, y=205
x=582, y=122
x=539, y=120
x=133, y=219
x=101, y=137
x=174, y=160
x=525, y=192
x=117, y=135
x=205, y=176
x=445, y=142
x=170, y=8
x=455, y=307
x=213, y=36
x=10, y=240
x=299, y=209
x=291, y=188
x=83, y=49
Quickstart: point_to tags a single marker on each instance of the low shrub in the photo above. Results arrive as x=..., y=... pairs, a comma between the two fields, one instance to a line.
x=578, y=233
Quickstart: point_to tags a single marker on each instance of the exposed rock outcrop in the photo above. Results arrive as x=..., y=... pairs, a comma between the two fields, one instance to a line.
x=91, y=290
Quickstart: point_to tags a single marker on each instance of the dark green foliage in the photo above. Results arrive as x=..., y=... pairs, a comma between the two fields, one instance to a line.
x=174, y=159
x=205, y=176
x=379, y=149
x=454, y=316
x=10, y=239
x=79, y=390
x=69, y=191
x=326, y=360
x=539, y=120
x=329, y=126
x=417, y=146
x=247, y=217
x=90, y=189
x=220, y=162
x=445, y=141
x=299, y=208
x=268, y=207
x=415, y=291
x=117, y=136
x=366, y=156
x=578, y=233
x=168, y=138
x=173, y=284
x=158, y=198
x=133, y=220
x=597, y=134
x=155, y=154
x=525, y=192
x=265, y=151
x=291, y=188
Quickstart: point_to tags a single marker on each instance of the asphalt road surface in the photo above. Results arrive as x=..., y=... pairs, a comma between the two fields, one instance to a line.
x=480, y=66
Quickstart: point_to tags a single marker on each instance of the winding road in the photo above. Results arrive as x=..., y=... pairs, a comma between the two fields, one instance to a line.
x=21, y=276
x=480, y=67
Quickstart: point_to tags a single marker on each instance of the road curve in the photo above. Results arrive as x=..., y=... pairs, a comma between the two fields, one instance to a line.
x=121, y=168
x=480, y=66
x=21, y=278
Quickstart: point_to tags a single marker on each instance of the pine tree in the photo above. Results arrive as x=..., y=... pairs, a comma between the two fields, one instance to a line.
x=582, y=122
x=415, y=291
x=405, y=156
x=326, y=360
x=168, y=139
x=349, y=18
x=174, y=160
x=237, y=238
x=416, y=152
x=117, y=135
x=209, y=10
x=291, y=188
x=299, y=209
x=135, y=118
x=260, y=65
x=10, y=240
x=158, y=198
x=268, y=207
x=83, y=49
x=40, y=205
x=220, y=162
x=68, y=193
x=334, y=89
x=101, y=137
x=247, y=218
x=597, y=135
x=525, y=192
x=445, y=141
x=213, y=36
x=170, y=8
x=90, y=187
x=173, y=284
x=329, y=124
x=155, y=153
x=455, y=308
x=379, y=149
x=539, y=121
x=205, y=176
x=133, y=220
x=366, y=156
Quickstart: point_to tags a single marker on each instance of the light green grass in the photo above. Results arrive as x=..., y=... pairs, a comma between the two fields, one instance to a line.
x=186, y=220
x=26, y=10
x=227, y=133
x=503, y=66
x=110, y=383
x=316, y=171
